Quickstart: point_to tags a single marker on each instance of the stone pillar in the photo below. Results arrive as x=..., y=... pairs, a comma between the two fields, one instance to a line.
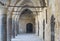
x=3, y=28
x=36, y=24
x=40, y=18
x=13, y=28
x=17, y=27
x=9, y=28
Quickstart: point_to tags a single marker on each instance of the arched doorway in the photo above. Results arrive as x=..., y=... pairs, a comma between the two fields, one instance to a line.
x=29, y=28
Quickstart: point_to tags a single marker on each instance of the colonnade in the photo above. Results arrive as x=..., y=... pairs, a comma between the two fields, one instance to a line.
x=7, y=26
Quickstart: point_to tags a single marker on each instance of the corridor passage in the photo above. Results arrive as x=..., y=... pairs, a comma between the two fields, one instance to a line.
x=26, y=37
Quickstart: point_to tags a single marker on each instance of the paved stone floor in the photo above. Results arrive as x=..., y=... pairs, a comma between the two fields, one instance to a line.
x=26, y=37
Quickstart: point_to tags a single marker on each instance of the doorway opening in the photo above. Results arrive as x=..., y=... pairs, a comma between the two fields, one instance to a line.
x=29, y=28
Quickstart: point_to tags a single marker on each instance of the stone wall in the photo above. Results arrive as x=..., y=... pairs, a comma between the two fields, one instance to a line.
x=23, y=23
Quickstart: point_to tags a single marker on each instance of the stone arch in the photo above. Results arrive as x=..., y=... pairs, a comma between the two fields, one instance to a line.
x=21, y=9
x=25, y=9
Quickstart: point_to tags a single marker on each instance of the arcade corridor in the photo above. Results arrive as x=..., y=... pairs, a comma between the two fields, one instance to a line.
x=29, y=20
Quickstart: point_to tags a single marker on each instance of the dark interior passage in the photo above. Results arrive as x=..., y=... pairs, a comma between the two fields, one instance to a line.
x=29, y=28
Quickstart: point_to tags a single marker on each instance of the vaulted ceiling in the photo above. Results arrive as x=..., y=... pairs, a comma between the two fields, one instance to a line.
x=15, y=11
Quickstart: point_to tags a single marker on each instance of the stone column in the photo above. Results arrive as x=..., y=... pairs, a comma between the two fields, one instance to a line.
x=17, y=27
x=9, y=28
x=36, y=24
x=3, y=28
x=13, y=28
